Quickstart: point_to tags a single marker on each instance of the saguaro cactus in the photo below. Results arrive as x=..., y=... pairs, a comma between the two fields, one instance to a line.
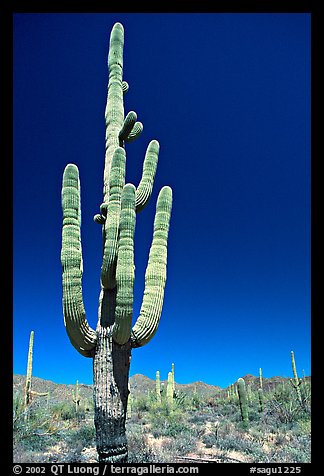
x=260, y=395
x=260, y=378
x=76, y=397
x=296, y=382
x=173, y=381
x=169, y=391
x=111, y=343
x=29, y=370
x=243, y=399
x=28, y=385
x=158, y=386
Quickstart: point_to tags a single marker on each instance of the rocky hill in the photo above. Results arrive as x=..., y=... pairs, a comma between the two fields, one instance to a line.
x=139, y=385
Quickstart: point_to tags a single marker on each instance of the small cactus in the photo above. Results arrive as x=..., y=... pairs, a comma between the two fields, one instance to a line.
x=243, y=400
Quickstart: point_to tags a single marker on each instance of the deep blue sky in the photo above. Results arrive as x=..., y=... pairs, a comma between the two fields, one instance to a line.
x=228, y=98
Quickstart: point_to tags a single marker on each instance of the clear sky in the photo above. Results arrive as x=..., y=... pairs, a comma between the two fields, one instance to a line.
x=228, y=98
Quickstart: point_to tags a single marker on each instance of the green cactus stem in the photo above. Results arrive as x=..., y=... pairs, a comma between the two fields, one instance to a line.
x=158, y=386
x=296, y=382
x=169, y=391
x=243, y=400
x=111, y=343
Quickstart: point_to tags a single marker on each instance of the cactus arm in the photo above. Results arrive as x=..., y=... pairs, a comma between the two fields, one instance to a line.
x=155, y=276
x=127, y=127
x=125, y=87
x=135, y=132
x=125, y=267
x=39, y=394
x=111, y=224
x=114, y=114
x=144, y=189
x=82, y=337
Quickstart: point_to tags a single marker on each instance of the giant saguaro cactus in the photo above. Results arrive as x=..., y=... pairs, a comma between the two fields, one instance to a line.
x=111, y=343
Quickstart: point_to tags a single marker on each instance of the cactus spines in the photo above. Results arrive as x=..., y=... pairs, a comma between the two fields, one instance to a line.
x=111, y=343
x=158, y=386
x=169, y=391
x=243, y=400
x=296, y=382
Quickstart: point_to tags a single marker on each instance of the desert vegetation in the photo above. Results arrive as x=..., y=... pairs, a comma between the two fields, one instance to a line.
x=195, y=427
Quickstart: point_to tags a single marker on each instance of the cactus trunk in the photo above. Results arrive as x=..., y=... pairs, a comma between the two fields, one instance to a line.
x=111, y=368
x=111, y=343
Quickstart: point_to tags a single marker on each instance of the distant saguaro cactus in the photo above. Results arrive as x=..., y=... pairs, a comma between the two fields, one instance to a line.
x=29, y=369
x=173, y=381
x=260, y=378
x=158, y=386
x=28, y=385
x=111, y=343
x=260, y=395
x=296, y=382
x=243, y=399
x=169, y=391
x=76, y=397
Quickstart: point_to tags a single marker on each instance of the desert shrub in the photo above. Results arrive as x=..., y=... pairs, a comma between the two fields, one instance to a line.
x=181, y=445
x=168, y=422
x=138, y=449
x=63, y=411
x=80, y=437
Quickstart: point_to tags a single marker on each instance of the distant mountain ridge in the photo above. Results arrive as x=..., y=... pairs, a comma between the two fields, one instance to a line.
x=140, y=385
